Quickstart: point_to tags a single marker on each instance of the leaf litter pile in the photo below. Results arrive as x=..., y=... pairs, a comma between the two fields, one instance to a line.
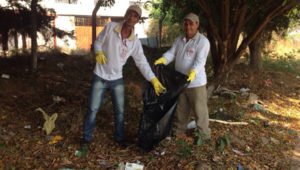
x=254, y=120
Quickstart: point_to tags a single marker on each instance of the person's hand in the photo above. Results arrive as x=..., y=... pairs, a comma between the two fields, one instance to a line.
x=100, y=58
x=158, y=87
x=191, y=75
x=161, y=60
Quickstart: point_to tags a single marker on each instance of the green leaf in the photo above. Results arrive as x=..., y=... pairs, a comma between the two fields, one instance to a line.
x=222, y=142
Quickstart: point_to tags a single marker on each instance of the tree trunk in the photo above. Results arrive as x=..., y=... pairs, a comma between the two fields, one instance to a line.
x=94, y=18
x=160, y=26
x=5, y=41
x=34, y=36
x=16, y=41
x=255, y=54
x=24, y=44
x=94, y=24
x=226, y=20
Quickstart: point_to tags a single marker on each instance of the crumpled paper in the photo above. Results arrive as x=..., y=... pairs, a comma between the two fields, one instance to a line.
x=49, y=123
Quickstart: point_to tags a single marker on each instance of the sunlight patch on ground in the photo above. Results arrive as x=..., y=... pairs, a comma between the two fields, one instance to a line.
x=279, y=108
x=287, y=45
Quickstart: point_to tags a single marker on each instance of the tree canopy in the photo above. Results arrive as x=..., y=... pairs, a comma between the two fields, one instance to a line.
x=16, y=17
x=225, y=20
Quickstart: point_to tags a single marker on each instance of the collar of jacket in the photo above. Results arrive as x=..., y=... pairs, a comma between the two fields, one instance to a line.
x=118, y=29
x=195, y=37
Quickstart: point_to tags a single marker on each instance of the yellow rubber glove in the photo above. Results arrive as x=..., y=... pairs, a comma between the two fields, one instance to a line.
x=100, y=58
x=158, y=87
x=161, y=60
x=191, y=75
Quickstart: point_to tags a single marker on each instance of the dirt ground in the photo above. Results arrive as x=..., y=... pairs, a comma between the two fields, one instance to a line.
x=61, y=86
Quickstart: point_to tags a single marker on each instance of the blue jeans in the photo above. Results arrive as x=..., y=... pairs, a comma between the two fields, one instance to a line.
x=99, y=86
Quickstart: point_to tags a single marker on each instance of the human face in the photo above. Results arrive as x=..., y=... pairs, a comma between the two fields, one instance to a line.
x=131, y=18
x=190, y=28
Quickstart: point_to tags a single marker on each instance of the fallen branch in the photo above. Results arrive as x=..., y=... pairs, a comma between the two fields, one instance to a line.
x=193, y=125
x=229, y=123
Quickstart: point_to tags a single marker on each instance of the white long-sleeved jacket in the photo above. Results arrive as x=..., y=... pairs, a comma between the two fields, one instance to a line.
x=117, y=51
x=190, y=55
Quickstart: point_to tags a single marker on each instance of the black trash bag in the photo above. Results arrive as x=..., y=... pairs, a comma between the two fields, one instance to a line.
x=155, y=123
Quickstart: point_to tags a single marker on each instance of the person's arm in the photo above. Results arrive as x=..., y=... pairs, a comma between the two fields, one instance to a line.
x=100, y=39
x=171, y=53
x=144, y=67
x=141, y=61
x=202, y=51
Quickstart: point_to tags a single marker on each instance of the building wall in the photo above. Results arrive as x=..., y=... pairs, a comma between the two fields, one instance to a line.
x=68, y=14
x=85, y=34
x=67, y=17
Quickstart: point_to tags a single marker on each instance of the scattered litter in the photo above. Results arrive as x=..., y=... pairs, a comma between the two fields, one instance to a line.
x=220, y=114
x=253, y=99
x=80, y=153
x=27, y=127
x=60, y=65
x=225, y=92
x=216, y=158
x=49, y=123
x=275, y=141
x=264, y=140
x=104, y=163
x=297, y=77
x=240, y=167
x=248, y=149
x=243, y=90
x=5, y=76
x=65, y=161
x=292, y=132
x=191, y=125
x=121, y=166
x=259, y=107
x=168, y=138
x=238, y=152
x=58, y=99
x=133, y=166
x=56, y=139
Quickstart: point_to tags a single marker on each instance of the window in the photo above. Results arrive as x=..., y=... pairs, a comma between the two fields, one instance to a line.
x=87, y=21
x=67, y=1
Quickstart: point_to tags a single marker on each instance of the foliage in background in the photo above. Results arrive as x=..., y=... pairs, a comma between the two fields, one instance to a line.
x=224, y=22
x=15, y=18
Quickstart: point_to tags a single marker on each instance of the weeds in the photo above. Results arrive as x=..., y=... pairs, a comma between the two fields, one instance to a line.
x=284, y=63
x=184, y=149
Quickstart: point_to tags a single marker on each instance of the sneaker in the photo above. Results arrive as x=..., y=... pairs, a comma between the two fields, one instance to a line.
x=83, y=150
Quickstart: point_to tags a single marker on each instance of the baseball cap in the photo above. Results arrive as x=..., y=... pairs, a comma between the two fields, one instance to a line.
x=193, y=17
x=135, y=8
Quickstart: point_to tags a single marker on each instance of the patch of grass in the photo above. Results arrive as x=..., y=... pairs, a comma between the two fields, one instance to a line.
x=2, y=146
x=184, y=149
x=284, y=63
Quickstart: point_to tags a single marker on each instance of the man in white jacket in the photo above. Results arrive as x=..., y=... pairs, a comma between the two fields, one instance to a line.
x=113, y=46
x=190, y=52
